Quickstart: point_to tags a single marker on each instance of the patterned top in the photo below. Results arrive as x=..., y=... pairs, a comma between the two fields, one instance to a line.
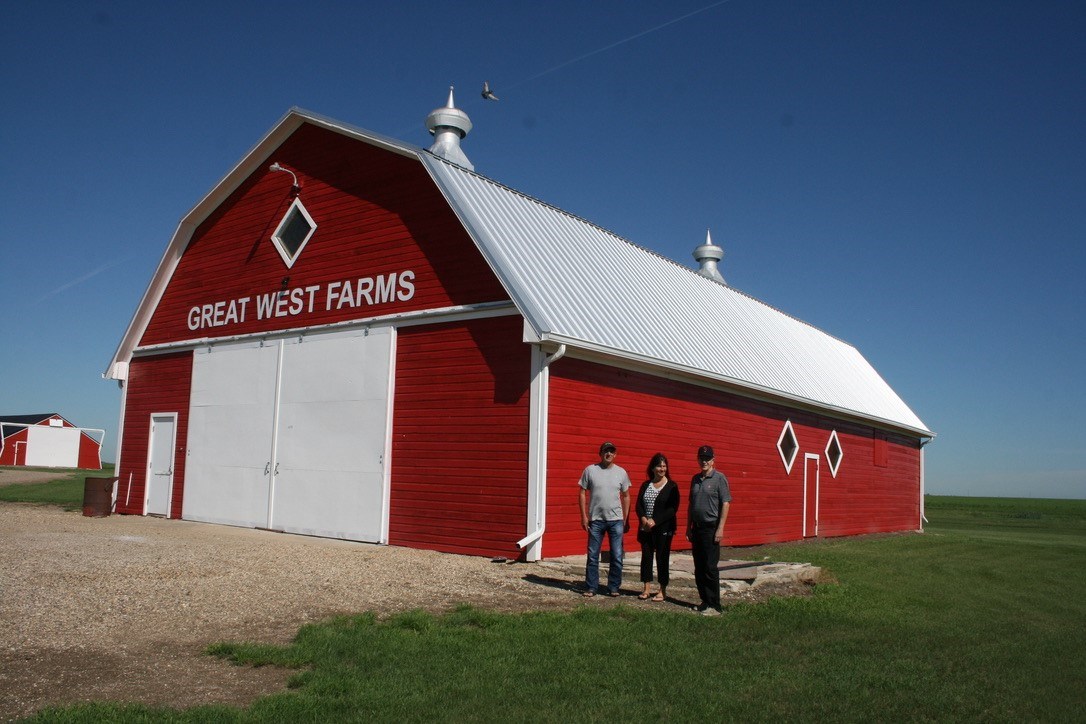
x=651, y=493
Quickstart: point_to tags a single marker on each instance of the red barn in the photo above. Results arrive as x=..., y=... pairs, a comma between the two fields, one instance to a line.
x=49, y=441
x=354, y=337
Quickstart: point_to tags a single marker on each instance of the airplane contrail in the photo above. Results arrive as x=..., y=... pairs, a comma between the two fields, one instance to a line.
x=615, y=44
x=597, y=51
x=92, y=273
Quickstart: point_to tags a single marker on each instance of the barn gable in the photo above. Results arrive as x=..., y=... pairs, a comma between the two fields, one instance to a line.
x=381, y=246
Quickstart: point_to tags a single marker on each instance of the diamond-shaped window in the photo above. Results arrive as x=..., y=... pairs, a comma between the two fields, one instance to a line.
x=834, y=453
x=788, y=446
x=293, y=232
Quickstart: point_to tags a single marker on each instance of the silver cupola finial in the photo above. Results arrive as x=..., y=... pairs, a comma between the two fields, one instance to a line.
x=448, y=125
x=709, y=255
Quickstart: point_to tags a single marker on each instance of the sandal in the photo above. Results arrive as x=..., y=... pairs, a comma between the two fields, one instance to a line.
x=659, y=597
x=588, y=594
x=613, y=594
x=643, y=596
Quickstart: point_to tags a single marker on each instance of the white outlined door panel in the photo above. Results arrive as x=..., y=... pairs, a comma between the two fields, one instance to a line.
x=333, y=412
x=228, y=472
x=160, y=462
x=810, y=495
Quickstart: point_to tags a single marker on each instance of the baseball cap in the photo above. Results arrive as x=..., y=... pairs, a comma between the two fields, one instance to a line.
x=608, y=446
x=705, y=452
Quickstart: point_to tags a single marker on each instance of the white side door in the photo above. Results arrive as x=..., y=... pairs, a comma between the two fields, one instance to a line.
x=331, y=436
x=810, y=494
x=231, y=417
x=160, y=460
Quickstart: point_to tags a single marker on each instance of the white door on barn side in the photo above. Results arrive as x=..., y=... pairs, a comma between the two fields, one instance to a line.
x=231, y=415
x=160, y=464
x=810, y=495
x=332, y=435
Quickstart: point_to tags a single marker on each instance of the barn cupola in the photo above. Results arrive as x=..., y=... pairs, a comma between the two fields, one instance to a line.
x=709, y=255
x=448, y=125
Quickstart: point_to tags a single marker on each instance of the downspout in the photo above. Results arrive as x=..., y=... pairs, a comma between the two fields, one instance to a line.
x=541, y=435
x=923, y=517
x=123, y=384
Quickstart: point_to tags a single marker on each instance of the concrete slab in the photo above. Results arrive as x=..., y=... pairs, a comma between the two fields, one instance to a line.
x=735, y=575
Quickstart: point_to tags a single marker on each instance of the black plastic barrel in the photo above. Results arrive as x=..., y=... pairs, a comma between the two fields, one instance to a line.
x=97, y=496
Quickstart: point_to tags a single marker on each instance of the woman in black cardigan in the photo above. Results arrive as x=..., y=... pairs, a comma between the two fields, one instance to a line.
x=657, y=504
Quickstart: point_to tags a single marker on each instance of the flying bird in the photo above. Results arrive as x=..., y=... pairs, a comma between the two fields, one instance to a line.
x=487, y=95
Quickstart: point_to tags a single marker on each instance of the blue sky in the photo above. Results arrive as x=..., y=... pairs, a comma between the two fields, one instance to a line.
x=909, y=177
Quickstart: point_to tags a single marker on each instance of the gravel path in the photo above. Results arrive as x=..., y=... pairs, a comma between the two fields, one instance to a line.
x=120, y=608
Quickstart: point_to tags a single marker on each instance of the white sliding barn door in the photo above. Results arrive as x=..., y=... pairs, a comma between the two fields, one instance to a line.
x=332, y=431
x=228, y=475
x=52, y=447
x=292, y=435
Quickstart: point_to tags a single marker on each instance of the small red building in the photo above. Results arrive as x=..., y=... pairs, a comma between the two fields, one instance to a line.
x=49, y=441
x=354, y=337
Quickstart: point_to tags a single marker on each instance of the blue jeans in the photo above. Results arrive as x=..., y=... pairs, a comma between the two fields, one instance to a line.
x=614, y=530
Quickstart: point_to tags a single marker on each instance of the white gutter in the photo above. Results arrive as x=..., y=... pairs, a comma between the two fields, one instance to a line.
x=537, y=474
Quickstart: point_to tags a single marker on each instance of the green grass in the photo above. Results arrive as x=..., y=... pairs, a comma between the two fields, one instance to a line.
x=979, y=619
x=66, y=490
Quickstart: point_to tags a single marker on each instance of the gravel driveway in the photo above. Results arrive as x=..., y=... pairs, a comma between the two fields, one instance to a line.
x=120, y=608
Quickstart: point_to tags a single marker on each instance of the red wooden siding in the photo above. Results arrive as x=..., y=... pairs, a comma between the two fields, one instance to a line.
x=12, y=443
x=90, y=453
x=643, y=414
x=868, y=498
x=460, y=437
x=377, y=213
x=880, y=450
x=155, y=384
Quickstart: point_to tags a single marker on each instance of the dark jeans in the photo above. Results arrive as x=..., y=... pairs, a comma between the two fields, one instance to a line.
x=596, y=530
x=658, y=544
x=706, y=552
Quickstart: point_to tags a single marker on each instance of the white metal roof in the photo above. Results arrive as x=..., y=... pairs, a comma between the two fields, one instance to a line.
x=581, y=285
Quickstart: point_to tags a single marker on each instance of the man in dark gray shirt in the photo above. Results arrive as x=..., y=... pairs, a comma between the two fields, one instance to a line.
x=710, y=498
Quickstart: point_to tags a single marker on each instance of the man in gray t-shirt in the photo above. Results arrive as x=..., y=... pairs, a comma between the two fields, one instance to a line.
x=605, y=505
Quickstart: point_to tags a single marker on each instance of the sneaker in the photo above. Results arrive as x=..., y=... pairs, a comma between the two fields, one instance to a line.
x=700, y=608
x=710, y=612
